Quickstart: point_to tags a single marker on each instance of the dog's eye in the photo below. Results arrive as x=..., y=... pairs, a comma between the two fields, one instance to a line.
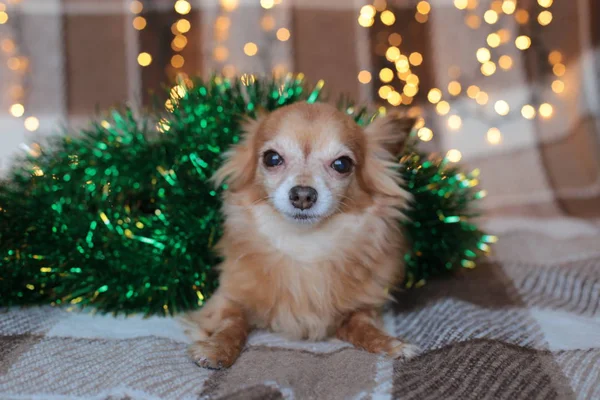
x=343, y=165
x=272, y=158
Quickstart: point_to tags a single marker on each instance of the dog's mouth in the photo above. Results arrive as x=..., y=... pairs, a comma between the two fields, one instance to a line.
x=304, y=218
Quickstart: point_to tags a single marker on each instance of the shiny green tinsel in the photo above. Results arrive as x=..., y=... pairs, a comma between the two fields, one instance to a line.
x=122, y=217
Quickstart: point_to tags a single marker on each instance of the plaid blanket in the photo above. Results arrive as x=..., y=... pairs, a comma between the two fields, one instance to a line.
x=524, y=325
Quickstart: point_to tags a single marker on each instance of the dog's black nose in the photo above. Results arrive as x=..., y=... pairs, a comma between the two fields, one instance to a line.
x=303, y=197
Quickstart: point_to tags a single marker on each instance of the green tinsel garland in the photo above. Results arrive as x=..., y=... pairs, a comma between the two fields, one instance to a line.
x=121, y=216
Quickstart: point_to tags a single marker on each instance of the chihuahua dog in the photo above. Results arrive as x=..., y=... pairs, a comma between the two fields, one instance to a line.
x=312, y=243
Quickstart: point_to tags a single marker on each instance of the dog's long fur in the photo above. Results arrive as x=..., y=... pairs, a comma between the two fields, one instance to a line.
x=329, y=277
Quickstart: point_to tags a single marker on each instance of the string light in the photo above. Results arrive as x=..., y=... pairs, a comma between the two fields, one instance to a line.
x=544, y=18
x=31, y=124
x=472, y=91
x=454, y=155
x=509, y=6
x=504, y=35
x=250, y=49
x=493, y=40
x=454, y=122
x=136, y=7
x=392, y=53
x=395, y=39
x=267, y=23
x=454, y=88
x=554, y=57
x=461, y=4
x=559, y=69
x=493, y=136
x=505, y=62
x=545, y=3
x=17, y=110
x=473, y=21
x=483, y=55
x=182, y=7
x=229, y=5
x=386, y=75
x=388, y=18
x=394, y=98
x=528, y=112
x=434, y=95
x=183, y=25
x=442, y=108
x=267, y=4
x=423, y=7
x=412, y=80
x=144, y=59
x=481, y=98
x=384, y=91
x=522, y=16
x=368, y=11
x=283, y=34
x=425, y=134
x=488, y=68
x=523, y=42
x=490, y=16
x=410, y=90
x=177, y=61
x=502, y=107
x=139, y=23
x=546, y=110
x=415, y=59
x=364, y=77
x=365, y=21
x=558, y=86
x=421, y=18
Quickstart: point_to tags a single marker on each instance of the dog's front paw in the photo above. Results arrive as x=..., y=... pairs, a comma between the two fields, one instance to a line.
x=210, y=354
x=400, y=350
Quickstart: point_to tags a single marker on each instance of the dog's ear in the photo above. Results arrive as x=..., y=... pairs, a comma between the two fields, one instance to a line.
x=239, y=167
x=390, y=132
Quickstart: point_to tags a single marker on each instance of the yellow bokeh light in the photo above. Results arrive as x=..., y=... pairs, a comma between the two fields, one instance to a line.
x=136, y=7
x=222, y=22
x=182, y=7
x=364, y=76
x=220, y=53
x=368, y=11
x=505, y=62
x=415, y=59
x=183, y=25
x=472, y=4
x=139, y=23
x=163, y=125
x=493, y=40
x=395, y=39
x=144, y=59
x=394, y=98
x=421, y=18
x=8, y=46
x=17, y=110
x=454, y=88
x=402, y=64
x=423, y=7
x=442, y=108
x=267, y=4
x=267, y=23
x=179, y=42
x=3, y=17
x=493, y=136
x=388, y=18
x=384, y=91
x=454, y=155
x=483, y=55
x=546, y=110
x=490, y=16
x=509, y=6
x=31, y=124
x=554, y=57
x=425, y=134
x=177, y=61
x=523, y=42
x=544, y=18
x=461, y=4
x=558, y=86
x=365, y=21
x=496, y=6
x=229, y=5
x=502, y=107
x=481, y=98
x=545, y=3
x=380, y=5
x=406, y=100
x=283, y=34
x=392, y=53
x=454, y=122
x=13, y=63
x=473, y=21
x=410, y=90
x=403, y=75
x=412, y=80
x=472, y=91
x=434, y=95
x=528, y=112
x=250, y=49
x=559, y=69
x=386, y=75
x=522, y=16
x=488, y=68
x=169, y=105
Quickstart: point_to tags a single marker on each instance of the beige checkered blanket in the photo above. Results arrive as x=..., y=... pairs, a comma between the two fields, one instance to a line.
x=524, y=325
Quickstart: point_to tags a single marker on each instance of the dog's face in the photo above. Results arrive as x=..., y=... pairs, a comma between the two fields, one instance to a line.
x=308, y=161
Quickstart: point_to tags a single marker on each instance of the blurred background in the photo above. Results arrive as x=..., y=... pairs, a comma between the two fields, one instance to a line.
x=511, y=87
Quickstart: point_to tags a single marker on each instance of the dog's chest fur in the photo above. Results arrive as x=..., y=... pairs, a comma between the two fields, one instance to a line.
x=301, y=282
